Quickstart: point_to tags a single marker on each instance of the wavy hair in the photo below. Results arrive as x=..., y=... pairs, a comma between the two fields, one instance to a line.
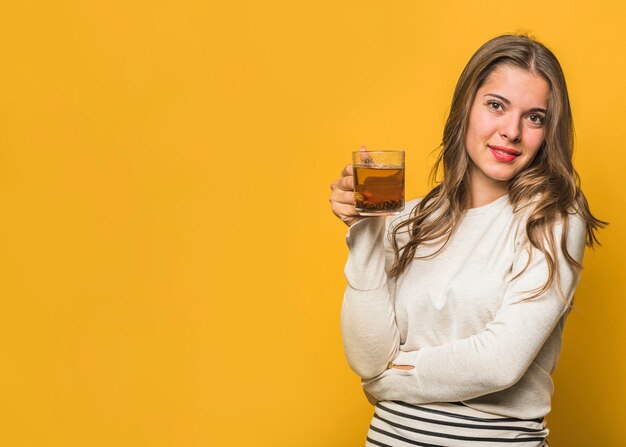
x=549, y=186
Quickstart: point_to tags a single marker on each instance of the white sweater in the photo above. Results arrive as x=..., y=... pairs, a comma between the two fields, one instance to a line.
x=459, y=318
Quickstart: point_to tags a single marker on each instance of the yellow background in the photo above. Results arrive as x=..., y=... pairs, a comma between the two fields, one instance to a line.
x=170, y=270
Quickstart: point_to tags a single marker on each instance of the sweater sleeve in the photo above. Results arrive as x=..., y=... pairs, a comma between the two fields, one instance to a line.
x=368, y=325
x=499, y=356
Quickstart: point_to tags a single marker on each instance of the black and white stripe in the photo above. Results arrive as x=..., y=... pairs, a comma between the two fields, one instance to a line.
x=398, y=424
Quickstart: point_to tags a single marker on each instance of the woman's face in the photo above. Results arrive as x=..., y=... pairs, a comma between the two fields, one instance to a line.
x=506, y=126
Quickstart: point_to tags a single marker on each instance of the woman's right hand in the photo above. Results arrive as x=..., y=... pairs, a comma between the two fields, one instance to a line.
x=342, y=197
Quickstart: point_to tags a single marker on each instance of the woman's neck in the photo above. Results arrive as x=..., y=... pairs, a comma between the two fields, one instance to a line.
x=483, y=194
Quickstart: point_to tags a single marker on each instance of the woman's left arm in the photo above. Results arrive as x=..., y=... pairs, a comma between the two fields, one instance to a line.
x=497, y=357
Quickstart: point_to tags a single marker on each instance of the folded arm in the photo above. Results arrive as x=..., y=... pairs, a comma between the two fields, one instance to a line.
x=499, y=356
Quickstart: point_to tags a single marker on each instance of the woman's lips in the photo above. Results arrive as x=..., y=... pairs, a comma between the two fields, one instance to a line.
x=504, y=154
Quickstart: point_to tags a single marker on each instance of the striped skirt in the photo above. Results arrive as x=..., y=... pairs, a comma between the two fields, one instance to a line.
x=398, y=424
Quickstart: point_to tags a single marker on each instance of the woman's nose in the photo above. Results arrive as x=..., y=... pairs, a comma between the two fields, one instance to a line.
x=510, y=128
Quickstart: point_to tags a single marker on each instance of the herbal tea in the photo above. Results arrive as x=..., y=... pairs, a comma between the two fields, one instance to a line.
x=378, y=189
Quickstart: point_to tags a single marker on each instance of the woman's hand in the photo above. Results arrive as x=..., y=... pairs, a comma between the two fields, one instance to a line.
x=342, y=196
x=404, y=367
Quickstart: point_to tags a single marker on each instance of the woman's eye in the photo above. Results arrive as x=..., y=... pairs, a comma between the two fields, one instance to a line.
x=535, y=119
x=495, y=105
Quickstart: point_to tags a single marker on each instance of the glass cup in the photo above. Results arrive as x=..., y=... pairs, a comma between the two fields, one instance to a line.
x=378, y=182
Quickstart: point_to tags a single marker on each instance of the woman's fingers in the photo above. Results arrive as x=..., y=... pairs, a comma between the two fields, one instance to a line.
x=404, y=367
x=341, y=199
x=346, y=179
x=341, y=196
x=346, y=183
x=346, y=213
x=344, y=210
x=347, y=171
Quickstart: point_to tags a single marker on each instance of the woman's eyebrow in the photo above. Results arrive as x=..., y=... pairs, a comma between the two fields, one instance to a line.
x=507, y=102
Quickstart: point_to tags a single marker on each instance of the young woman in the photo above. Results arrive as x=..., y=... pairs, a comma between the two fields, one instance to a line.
x=454, y=309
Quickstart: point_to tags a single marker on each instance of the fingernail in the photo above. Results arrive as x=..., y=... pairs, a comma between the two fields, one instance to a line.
x=363, y=148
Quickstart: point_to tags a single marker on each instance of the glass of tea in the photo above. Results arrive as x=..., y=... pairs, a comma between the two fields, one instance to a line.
x=378, y=182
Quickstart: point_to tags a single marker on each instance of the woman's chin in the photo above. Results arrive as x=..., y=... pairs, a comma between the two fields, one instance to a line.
x=501, y=175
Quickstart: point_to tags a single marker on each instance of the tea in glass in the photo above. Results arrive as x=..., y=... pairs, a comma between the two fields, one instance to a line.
x=378, y=182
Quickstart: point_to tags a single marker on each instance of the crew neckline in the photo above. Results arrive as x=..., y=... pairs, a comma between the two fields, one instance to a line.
x=497, y=204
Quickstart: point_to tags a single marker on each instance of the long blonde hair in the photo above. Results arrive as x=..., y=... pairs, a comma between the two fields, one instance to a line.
x=550, y=183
